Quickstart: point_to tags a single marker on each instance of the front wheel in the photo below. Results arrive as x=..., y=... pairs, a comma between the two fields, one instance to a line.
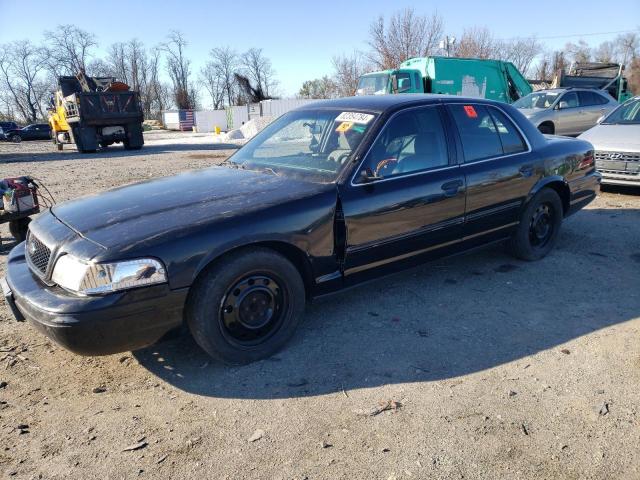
x=247, y=306
x=19, y=228
x=539, y=226
x=15, y=138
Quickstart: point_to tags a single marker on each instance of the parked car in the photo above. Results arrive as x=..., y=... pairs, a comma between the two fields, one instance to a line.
x=6, y=126
x=617, y=144
x=565, y=111
x=327, y=196
x=36, y=131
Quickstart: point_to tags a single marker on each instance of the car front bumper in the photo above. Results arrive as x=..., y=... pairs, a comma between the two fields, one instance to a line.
x=97, y=325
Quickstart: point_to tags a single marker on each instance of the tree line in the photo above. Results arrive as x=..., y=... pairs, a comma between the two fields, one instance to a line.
x=165, y=78
x=163, y=74
x=406, y=34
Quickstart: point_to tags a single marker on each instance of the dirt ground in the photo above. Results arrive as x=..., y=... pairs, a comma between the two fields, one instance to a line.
x=485, y=367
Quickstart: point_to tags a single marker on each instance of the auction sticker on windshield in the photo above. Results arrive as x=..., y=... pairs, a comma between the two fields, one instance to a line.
x=354, y=117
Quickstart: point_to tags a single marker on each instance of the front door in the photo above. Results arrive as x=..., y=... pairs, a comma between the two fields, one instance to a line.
x=412, y=199
x=568, y=116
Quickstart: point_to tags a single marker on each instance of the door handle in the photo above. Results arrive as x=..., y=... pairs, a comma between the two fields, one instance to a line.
x=452, y=187
x=526, y=170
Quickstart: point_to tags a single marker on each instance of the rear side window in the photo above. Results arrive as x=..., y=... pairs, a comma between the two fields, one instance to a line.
x=587, y=99
x=486, y=132
x=512, y=141
x=478, y=132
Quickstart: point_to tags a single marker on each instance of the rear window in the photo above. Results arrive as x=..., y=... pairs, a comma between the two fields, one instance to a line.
x=512, y=141
x=485, y=132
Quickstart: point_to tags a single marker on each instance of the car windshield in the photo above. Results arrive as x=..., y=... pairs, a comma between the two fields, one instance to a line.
x=311, y=145
x=375, y=84
x=627, y=113
x=537, y=100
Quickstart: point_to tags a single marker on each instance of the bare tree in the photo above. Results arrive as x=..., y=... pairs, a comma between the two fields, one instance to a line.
x=225, y=61
x=213, y=83
x=318, y=88
x=179, y=69
x=405, y=35
x=21, y=65
x=259, y=70
x=520, y=51
x=578, y=52
x=347, y=71
x=477, y=42
x=69, y=49
x=629, y=47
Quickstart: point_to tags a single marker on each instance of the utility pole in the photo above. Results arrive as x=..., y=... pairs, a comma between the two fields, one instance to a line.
x=447, y=44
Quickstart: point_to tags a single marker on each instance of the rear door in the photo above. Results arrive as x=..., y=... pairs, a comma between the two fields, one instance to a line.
x=592, y=106
x=499, y=168
x=416, y=203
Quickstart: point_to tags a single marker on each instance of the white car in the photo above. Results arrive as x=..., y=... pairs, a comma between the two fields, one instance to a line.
x=616, y=140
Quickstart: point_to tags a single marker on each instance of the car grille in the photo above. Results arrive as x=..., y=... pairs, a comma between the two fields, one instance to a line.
x=38, y=254
x=619, y=162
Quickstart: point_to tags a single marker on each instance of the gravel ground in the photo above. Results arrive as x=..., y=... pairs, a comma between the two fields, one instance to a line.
x=474, y=367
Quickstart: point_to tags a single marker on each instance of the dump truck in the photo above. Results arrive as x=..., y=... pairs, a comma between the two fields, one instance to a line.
x=469, y=77
x=600, y=76
x=94, y=112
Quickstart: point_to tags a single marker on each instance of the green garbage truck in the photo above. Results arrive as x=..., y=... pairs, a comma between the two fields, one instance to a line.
x=469, y=77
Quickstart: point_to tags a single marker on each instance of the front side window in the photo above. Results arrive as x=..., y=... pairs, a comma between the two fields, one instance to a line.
x=412, y=141
x=311, y=145
x=569, y=100
x=404, y=82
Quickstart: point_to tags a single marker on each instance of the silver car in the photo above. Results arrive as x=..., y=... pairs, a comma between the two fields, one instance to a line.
x=616, y=140
x=566, y=111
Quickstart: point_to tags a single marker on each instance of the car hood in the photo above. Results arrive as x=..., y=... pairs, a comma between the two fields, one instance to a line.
x=622, y=138
x=162, y=207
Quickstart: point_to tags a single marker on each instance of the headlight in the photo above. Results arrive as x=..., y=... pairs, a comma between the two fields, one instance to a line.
x=93, y=278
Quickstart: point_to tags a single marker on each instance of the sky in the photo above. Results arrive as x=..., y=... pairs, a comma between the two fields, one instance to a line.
x=301, y=37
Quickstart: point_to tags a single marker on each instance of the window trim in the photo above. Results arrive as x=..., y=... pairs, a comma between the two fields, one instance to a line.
x=448, y=141
x=495, y=157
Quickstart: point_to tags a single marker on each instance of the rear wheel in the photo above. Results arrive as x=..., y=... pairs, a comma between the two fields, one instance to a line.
x=539, y=226
x=247, y=306
x=15, y=138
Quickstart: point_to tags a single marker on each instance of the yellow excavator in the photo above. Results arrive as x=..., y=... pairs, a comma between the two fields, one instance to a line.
x=94, y=112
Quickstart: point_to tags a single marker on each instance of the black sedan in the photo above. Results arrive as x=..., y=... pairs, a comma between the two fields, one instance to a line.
x=327, y=196
x=36, y=131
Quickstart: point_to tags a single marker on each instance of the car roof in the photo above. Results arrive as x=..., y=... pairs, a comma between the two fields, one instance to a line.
x=381, y=103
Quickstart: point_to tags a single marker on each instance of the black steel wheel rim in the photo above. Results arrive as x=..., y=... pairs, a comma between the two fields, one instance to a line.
x=541, y=225
x=252, y=309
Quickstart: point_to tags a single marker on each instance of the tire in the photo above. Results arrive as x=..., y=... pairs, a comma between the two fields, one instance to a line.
x=59, y=146
x=15, y=138
x=546, y=129
x=18, y=228
x=226, y=310
x=537, y=232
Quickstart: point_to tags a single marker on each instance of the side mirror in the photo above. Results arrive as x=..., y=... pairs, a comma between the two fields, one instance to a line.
x=394, y=83
x=599, y=121
x=562, y=105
